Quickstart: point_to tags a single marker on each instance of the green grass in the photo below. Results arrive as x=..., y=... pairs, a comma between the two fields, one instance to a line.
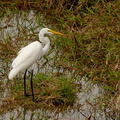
x=95, y=26
x=94, y=53
x=49, y=90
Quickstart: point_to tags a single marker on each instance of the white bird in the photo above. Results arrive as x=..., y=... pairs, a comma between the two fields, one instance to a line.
x=28, y=55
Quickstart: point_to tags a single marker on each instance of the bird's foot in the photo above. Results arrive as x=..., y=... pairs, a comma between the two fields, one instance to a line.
x=26, y=95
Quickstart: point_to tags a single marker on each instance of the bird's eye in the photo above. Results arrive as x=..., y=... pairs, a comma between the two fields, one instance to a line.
x=46, y=35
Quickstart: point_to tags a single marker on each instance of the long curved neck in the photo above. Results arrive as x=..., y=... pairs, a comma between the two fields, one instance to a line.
x=41, y=37
x=46, y=43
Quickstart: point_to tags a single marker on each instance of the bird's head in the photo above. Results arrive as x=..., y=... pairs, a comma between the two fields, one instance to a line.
x=48, y=32
x=45, y=32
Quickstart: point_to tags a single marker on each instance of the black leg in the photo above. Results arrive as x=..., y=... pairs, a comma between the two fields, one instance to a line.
x=31, y=83
x=25, y=83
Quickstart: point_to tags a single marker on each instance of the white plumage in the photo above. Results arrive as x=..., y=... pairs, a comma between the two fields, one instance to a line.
x=26, y=57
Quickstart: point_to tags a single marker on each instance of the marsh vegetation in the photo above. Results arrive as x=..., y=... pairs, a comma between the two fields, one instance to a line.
x=80, y=75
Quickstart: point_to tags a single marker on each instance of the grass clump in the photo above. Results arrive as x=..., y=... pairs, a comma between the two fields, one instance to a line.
x=56, y=90
x=48, y=90
x=95, y=51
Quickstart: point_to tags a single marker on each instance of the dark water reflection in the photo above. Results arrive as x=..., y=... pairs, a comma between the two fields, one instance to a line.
x=83, y=109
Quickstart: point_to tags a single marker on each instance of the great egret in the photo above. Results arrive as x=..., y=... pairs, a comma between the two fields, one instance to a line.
x=28, y=55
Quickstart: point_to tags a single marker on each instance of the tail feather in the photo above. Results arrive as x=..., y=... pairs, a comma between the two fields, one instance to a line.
x=13, y=73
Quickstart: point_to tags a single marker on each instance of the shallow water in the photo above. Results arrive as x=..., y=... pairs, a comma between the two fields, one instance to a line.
x=84, y=109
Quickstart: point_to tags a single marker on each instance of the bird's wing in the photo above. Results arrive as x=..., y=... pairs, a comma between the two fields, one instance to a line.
x=32, y=52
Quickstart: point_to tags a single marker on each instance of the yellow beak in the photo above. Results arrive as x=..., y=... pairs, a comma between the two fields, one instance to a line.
x=56, y=32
